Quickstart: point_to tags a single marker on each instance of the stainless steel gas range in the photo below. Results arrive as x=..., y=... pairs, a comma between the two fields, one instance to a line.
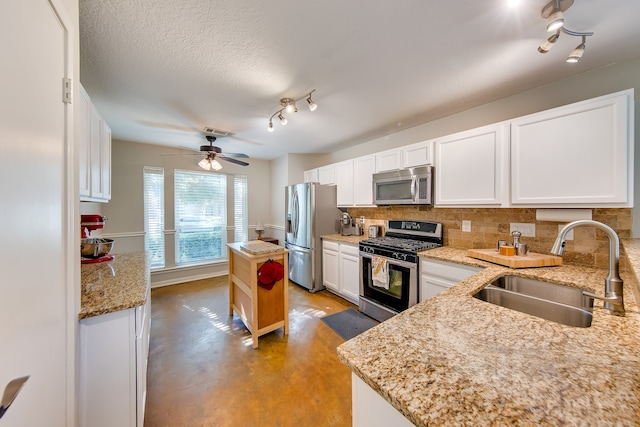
x=389, y=266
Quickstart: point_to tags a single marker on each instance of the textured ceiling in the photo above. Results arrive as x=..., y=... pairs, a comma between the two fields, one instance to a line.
x=160, y=71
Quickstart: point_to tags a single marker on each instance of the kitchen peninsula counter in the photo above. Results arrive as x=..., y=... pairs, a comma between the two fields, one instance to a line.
x=456, y=360
x=114, y=285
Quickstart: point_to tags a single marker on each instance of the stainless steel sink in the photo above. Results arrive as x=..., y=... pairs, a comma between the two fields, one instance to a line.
x=550, y=301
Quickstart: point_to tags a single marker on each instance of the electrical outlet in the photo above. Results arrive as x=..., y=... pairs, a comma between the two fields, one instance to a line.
x=569, y=235
x=362, y=219
x=466, y=226
x=527, y=230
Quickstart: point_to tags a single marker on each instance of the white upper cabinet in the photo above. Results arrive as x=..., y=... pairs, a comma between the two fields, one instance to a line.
x=311, y=175
x=105, y=167
x=388, y=160
x=326, y=175
x=470, y=167
x=344, y=183
x=84, y=148
x=94, y=168
x=418, y=154
x=578, y=155
x=363, y=169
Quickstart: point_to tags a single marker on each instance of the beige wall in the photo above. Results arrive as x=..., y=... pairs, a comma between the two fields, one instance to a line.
x=126, y=208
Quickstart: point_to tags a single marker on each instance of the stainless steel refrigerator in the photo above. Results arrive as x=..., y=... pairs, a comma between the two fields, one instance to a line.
x=311, y=212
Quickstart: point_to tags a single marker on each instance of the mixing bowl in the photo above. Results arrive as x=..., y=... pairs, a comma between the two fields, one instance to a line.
x=95, y=247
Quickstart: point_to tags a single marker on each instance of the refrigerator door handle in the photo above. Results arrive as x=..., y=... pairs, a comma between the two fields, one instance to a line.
x=295, y=217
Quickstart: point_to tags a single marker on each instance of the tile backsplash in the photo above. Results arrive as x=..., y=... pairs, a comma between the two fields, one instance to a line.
x=589, y=246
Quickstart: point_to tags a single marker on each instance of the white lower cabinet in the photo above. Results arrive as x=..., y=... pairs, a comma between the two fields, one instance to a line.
x=436, y=276
x=341, y=270
x=369, y=409
x=114, y=351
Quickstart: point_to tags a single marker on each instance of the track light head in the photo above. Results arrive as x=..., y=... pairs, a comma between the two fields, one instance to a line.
x=548, y=44
x=270, y=128
x=555, y=21
x=283, y=119
x=312, y=105
x=289, y=105
x=576, y=54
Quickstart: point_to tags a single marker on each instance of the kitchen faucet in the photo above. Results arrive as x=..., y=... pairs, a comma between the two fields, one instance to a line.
x=613, y=299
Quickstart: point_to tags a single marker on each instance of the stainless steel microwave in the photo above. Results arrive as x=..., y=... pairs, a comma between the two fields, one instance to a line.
x=410, y=186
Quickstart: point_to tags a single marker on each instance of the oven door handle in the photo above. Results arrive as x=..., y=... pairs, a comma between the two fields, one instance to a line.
x=390, y=260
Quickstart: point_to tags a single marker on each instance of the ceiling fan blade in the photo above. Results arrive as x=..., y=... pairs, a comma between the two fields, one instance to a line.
x=241, y=155
x=179, y=154
x=232, y=160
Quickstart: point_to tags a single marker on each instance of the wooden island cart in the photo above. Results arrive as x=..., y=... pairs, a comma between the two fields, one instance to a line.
x=262, y=310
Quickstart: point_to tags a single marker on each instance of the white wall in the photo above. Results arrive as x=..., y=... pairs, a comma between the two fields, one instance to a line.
x=125, y=211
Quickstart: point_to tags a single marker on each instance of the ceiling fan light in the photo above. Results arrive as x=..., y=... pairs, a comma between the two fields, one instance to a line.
x=576, y=54
x=548, y=43
x=215, y=165
x=312, y=105
x=283, y=119
x=205, y=164
x=555, y=21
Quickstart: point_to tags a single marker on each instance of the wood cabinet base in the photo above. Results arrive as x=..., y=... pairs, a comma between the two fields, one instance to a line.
x=261, y=310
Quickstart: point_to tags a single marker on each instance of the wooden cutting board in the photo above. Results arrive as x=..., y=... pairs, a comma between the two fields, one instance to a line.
x=532, y=259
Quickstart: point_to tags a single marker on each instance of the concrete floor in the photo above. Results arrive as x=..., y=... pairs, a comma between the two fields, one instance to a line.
x=203, y=371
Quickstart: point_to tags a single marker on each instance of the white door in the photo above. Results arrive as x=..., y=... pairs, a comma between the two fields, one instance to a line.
x=36, y=213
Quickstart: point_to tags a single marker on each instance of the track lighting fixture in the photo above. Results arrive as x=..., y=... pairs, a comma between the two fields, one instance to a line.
x=553, y=13
x=289, y=106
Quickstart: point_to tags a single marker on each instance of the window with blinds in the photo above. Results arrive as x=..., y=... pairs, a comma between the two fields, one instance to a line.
x=154, y=214
x=240, y=221
x=200, y=206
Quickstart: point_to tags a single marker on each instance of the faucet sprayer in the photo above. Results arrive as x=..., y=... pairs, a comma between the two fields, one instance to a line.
x=613, y=298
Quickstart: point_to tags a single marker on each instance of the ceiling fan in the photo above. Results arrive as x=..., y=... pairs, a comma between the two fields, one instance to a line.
x=210, y=162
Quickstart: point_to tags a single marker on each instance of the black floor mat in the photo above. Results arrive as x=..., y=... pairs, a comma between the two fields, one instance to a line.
x=349, y=323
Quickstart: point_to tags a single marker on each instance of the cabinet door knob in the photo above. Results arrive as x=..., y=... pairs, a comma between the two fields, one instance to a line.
x=11, y=390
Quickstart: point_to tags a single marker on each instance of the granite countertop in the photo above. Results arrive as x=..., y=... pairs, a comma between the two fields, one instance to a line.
x=456, y=360
x=352, y=240
x=114, y=285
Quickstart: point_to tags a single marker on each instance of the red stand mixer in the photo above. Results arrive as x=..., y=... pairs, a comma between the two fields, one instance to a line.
x=94, y=249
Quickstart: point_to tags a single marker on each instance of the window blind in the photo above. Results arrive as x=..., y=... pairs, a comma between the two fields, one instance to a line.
x=154, y=214
x=240, y=220
x=200, y=203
